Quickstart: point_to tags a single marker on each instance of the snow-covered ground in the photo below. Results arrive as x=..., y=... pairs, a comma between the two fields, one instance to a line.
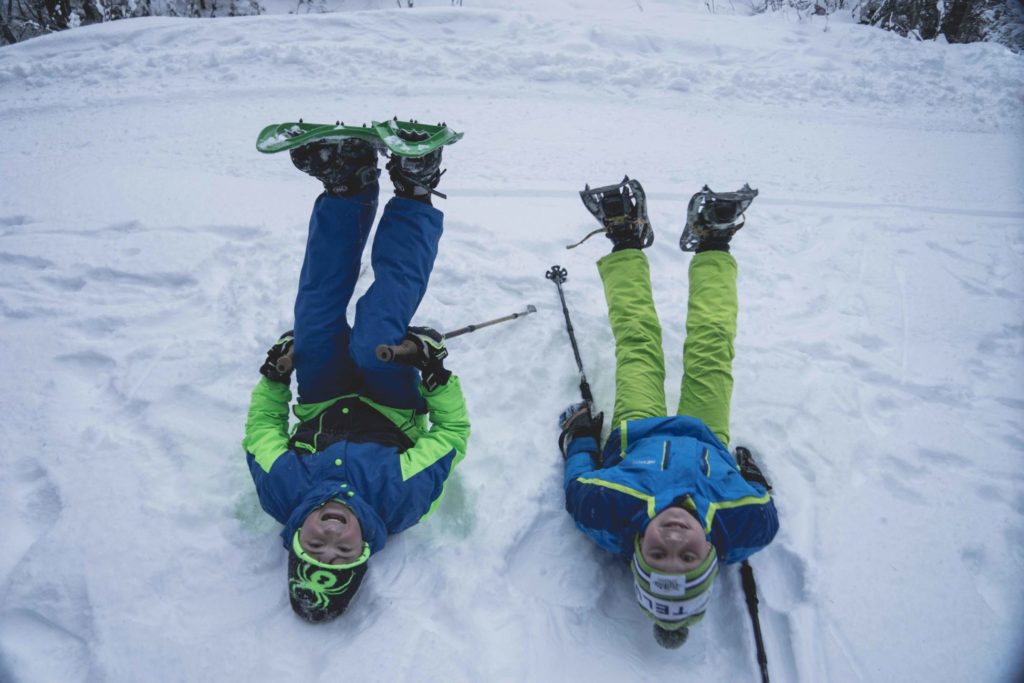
x=148, y=255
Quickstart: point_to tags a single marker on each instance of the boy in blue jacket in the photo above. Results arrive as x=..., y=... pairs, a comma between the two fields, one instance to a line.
x=664, y=493
x=362, y=463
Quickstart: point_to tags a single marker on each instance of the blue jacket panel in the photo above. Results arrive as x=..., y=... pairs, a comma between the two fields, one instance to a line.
x=389, y=490
x=365, y=476
x=651, y=464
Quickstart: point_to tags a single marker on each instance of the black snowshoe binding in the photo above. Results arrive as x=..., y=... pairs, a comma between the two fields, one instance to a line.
x=712, y=218
x=416, y=177
x=345, y=167
x=622, y=212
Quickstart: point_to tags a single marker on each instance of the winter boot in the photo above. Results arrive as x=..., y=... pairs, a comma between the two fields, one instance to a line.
x=622, y=212
x=713, y=218
x=416, y=177
x=345, y=167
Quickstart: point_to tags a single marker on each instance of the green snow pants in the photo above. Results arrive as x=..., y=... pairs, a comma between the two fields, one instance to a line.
x=707, y=353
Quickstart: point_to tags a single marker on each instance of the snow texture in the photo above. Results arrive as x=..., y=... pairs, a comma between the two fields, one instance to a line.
x=149, y=255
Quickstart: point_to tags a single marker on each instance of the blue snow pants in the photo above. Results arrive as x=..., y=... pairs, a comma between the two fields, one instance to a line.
x=333, y=358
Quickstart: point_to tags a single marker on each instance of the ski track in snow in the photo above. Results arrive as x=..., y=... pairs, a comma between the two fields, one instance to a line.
x=148, y=255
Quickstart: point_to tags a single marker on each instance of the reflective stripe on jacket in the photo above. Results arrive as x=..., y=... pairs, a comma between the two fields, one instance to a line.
x=651, y=463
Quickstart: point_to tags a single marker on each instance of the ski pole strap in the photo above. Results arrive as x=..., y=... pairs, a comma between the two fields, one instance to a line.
x=750, y=590
x=587, y=237
x=587, y=395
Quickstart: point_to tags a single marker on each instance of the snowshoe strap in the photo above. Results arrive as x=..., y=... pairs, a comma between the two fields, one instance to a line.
x=589, y=235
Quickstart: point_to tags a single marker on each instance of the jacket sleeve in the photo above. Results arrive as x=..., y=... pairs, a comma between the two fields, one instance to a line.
x=448, y=434
x=747, y=527
x=604, y=510
x=266, y=426
x=580, y=459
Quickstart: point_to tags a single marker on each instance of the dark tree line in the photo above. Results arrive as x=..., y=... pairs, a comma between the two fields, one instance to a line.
x=959, y=21
x=23, y=19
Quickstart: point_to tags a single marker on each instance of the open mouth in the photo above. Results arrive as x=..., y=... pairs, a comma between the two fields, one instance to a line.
x=332, y=517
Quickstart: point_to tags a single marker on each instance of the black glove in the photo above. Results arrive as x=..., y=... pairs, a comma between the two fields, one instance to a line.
x=749, y=469
x=429, y=356
x=279, y=364
x=575, y=421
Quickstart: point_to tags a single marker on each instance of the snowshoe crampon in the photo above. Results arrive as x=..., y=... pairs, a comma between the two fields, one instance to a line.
x=622, y=212
x=714, y=215
x=394, y=136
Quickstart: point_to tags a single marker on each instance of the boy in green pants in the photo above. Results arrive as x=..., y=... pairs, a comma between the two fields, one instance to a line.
x=664, y=493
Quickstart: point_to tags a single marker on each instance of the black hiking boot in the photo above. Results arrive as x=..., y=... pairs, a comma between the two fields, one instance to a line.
x=345, y=167
x=416, y=177
x=712, y=219
x=622, y=212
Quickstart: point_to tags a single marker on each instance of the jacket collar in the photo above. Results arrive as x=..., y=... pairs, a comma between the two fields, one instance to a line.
x=374, y=531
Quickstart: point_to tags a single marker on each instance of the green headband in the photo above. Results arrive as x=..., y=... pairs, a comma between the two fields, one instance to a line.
x=673, y=601
x=305, y=557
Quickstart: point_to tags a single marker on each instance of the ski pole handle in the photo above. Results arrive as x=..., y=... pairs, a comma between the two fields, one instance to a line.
x=286, y=362
x=388, y=353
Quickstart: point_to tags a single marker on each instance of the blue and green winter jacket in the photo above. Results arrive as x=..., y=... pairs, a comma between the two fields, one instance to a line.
x=651, y=463
x=389, y=488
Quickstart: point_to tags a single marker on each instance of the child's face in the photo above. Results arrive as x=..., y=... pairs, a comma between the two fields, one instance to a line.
x=331, y=533
x=674, y=542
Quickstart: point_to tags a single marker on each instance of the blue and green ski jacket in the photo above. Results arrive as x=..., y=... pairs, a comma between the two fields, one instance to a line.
x=651, y=463
x=388, y=490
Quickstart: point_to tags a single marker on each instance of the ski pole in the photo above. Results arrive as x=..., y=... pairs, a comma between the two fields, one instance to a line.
x=750, y=590
x=389, y=352
x=558, y=275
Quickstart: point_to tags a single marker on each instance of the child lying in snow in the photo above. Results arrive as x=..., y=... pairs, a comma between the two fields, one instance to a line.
x=362, y=463
x=664, y=492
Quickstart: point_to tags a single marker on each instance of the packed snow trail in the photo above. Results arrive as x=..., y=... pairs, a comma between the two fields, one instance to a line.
x=149, y=255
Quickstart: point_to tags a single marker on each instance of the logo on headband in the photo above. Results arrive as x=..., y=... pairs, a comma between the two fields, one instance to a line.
x=668, y=585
